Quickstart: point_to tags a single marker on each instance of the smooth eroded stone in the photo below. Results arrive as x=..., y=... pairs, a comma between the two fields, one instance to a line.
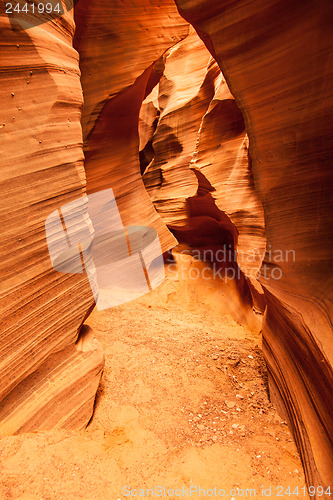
x=44, y=378
x=120, y=44
x=275, y=58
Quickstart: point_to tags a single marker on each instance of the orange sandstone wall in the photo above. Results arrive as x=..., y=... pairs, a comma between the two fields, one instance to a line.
x=199, y=126
x=183, y=96
x=276, y=58
x=120, y=44
x=46, y=379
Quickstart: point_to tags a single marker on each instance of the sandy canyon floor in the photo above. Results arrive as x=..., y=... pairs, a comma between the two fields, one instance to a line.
x=183, y=403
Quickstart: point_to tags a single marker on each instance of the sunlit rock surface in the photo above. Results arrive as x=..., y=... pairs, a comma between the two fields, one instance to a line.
x=222, y=157
x=191, y=123
x=275, y=57
x=120, y=44
x=45, y=379
x=184, y=92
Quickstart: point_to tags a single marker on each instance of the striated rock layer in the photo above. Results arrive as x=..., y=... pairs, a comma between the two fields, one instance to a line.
x=120, y=45
x=275, y=57
x=192, y=124
x=49, y=366
x=184, y=92
x=47, y=380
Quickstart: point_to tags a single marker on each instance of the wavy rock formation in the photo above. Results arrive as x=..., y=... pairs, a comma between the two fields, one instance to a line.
x=191, y=124
x=50, y=367
x=46, y=379
x=222, y=157
x=275, y=57
x=184, y=93
x=118, y=71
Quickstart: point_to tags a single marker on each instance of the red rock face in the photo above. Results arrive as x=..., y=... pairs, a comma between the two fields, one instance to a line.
x=200, y=128
x=199, y=143
x=275, y=57
x=183, y=96
x=47, y=379
x=119, y=45
x=42, y=169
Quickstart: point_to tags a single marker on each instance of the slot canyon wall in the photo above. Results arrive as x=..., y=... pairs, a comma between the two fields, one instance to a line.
x=276, y=57
x=118, y=69
x=192, y=123
x=50, y=366
x=46, y=378
x=276, y=60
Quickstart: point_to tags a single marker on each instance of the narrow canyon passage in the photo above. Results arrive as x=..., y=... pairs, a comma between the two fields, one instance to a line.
x=136, y=134
x=183, y=402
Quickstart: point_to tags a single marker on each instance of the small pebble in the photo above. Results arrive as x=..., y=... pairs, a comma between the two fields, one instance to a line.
x=230, y=404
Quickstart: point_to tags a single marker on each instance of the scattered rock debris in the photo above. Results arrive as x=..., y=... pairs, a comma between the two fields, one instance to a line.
x=199, y=414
